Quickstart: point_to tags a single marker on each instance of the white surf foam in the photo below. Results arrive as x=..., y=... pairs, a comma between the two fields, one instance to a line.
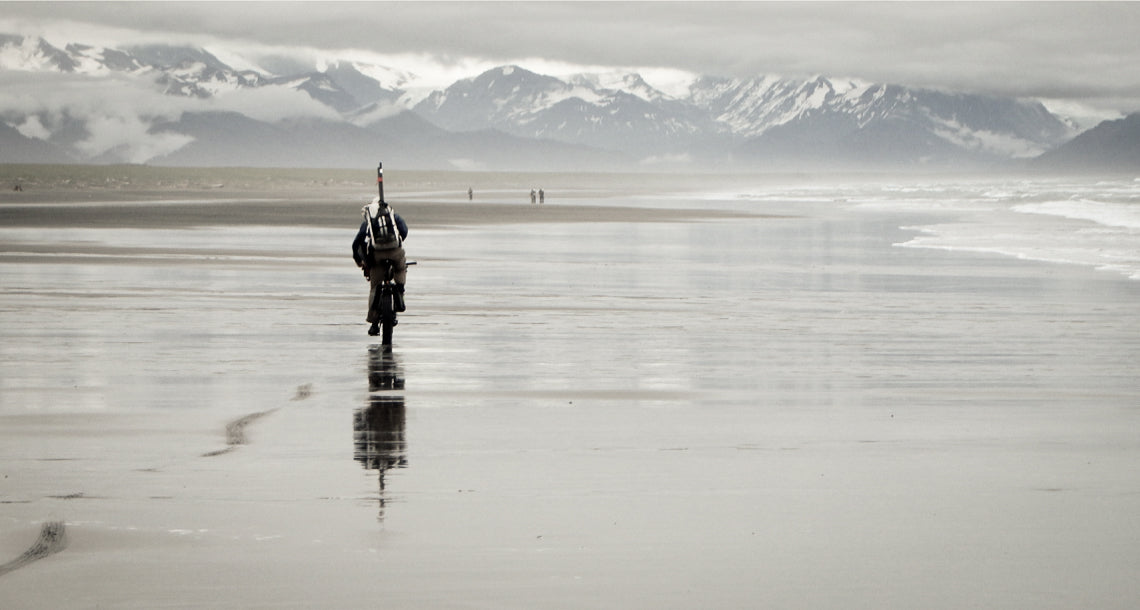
x=1109, y=214
x=1096, y=225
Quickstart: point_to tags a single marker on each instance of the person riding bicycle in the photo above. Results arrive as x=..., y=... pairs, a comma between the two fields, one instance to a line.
x=367, y=256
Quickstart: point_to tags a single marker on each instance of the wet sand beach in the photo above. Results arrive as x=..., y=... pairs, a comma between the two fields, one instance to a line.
x=620, y=399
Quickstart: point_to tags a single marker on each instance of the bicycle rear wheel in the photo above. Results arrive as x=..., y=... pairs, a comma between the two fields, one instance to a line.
x=387, y=316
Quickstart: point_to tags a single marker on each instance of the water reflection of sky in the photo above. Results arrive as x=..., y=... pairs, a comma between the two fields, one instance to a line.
x=606, y=307
x=758, y=393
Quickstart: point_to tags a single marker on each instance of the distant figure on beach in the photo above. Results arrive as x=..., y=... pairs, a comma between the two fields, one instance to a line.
x=533, y=196
x=541, y=196
x=17, y=188
x=369, y=248
x=470, y=194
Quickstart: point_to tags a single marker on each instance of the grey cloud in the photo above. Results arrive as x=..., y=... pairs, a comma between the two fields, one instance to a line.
x=116, y=112
x=1081, y=50
x=119, y=110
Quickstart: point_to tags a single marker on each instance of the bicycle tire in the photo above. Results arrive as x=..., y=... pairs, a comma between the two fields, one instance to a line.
x=387, y=316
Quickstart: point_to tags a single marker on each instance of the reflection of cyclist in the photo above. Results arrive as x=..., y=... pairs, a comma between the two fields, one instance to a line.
x=379, y=428
x=367, y=257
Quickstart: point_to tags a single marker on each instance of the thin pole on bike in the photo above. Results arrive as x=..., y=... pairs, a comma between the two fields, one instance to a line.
x=380, y=180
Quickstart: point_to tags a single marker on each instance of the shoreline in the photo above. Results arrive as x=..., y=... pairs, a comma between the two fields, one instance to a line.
x=146, y=209
x=569, y=412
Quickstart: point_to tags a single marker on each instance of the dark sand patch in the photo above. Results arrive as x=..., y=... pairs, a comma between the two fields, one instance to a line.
x=151, y=197
x=262, y=211
x=52, y=539
x=235, y=432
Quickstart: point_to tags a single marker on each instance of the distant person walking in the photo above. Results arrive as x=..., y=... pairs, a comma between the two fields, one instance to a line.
x=470, y=194
x=541, y=196
x=533, y=196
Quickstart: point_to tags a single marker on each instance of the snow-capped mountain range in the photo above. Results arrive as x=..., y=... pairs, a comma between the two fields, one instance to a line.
x=169, y=105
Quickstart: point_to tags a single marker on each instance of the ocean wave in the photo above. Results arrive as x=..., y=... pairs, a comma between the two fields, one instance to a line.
x=1124, y=215
x=1114, y=250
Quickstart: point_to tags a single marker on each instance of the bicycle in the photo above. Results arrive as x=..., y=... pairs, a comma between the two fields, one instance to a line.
x=384, y=301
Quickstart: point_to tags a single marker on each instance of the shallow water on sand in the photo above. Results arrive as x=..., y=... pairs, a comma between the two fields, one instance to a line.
x=773, y=412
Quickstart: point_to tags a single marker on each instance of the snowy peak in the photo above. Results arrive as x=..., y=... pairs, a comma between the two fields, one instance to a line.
x=507, y=88
x=169, y=57
x=764, y=116
x=96, y=60
x=759, y=121
x=33, y=54
x=368, y=83
x=197, y=73
x=626, y=82
x=614, y=112
x=988, y=127
x=749, y=107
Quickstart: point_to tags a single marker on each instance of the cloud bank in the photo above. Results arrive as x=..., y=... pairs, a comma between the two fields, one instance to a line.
x=1079, y=58
x=1077, y=51
x=117, y=111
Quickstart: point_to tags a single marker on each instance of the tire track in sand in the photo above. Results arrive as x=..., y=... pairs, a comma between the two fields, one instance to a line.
x=235, y=432
x=52, y=539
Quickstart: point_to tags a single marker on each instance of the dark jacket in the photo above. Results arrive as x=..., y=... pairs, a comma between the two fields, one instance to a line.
x=360, y=243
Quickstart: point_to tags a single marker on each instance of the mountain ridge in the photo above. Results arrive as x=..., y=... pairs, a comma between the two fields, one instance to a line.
x=544, y=121
x=1110, y=146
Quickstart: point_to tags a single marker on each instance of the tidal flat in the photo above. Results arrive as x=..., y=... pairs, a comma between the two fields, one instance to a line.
x=739, y=393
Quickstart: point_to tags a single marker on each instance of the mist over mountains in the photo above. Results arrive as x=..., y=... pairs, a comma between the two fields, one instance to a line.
x=184, y=106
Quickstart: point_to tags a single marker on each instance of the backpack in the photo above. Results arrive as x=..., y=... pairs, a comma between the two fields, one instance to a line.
x=382, y=231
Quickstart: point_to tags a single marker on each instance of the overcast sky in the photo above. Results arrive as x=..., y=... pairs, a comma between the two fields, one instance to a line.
x=1085, y=53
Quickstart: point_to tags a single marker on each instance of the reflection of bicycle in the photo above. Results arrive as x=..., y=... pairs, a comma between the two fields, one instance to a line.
x=387, y=301
x=379, y=427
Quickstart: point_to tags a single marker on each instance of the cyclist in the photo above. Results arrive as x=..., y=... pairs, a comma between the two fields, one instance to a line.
x=367, y=257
